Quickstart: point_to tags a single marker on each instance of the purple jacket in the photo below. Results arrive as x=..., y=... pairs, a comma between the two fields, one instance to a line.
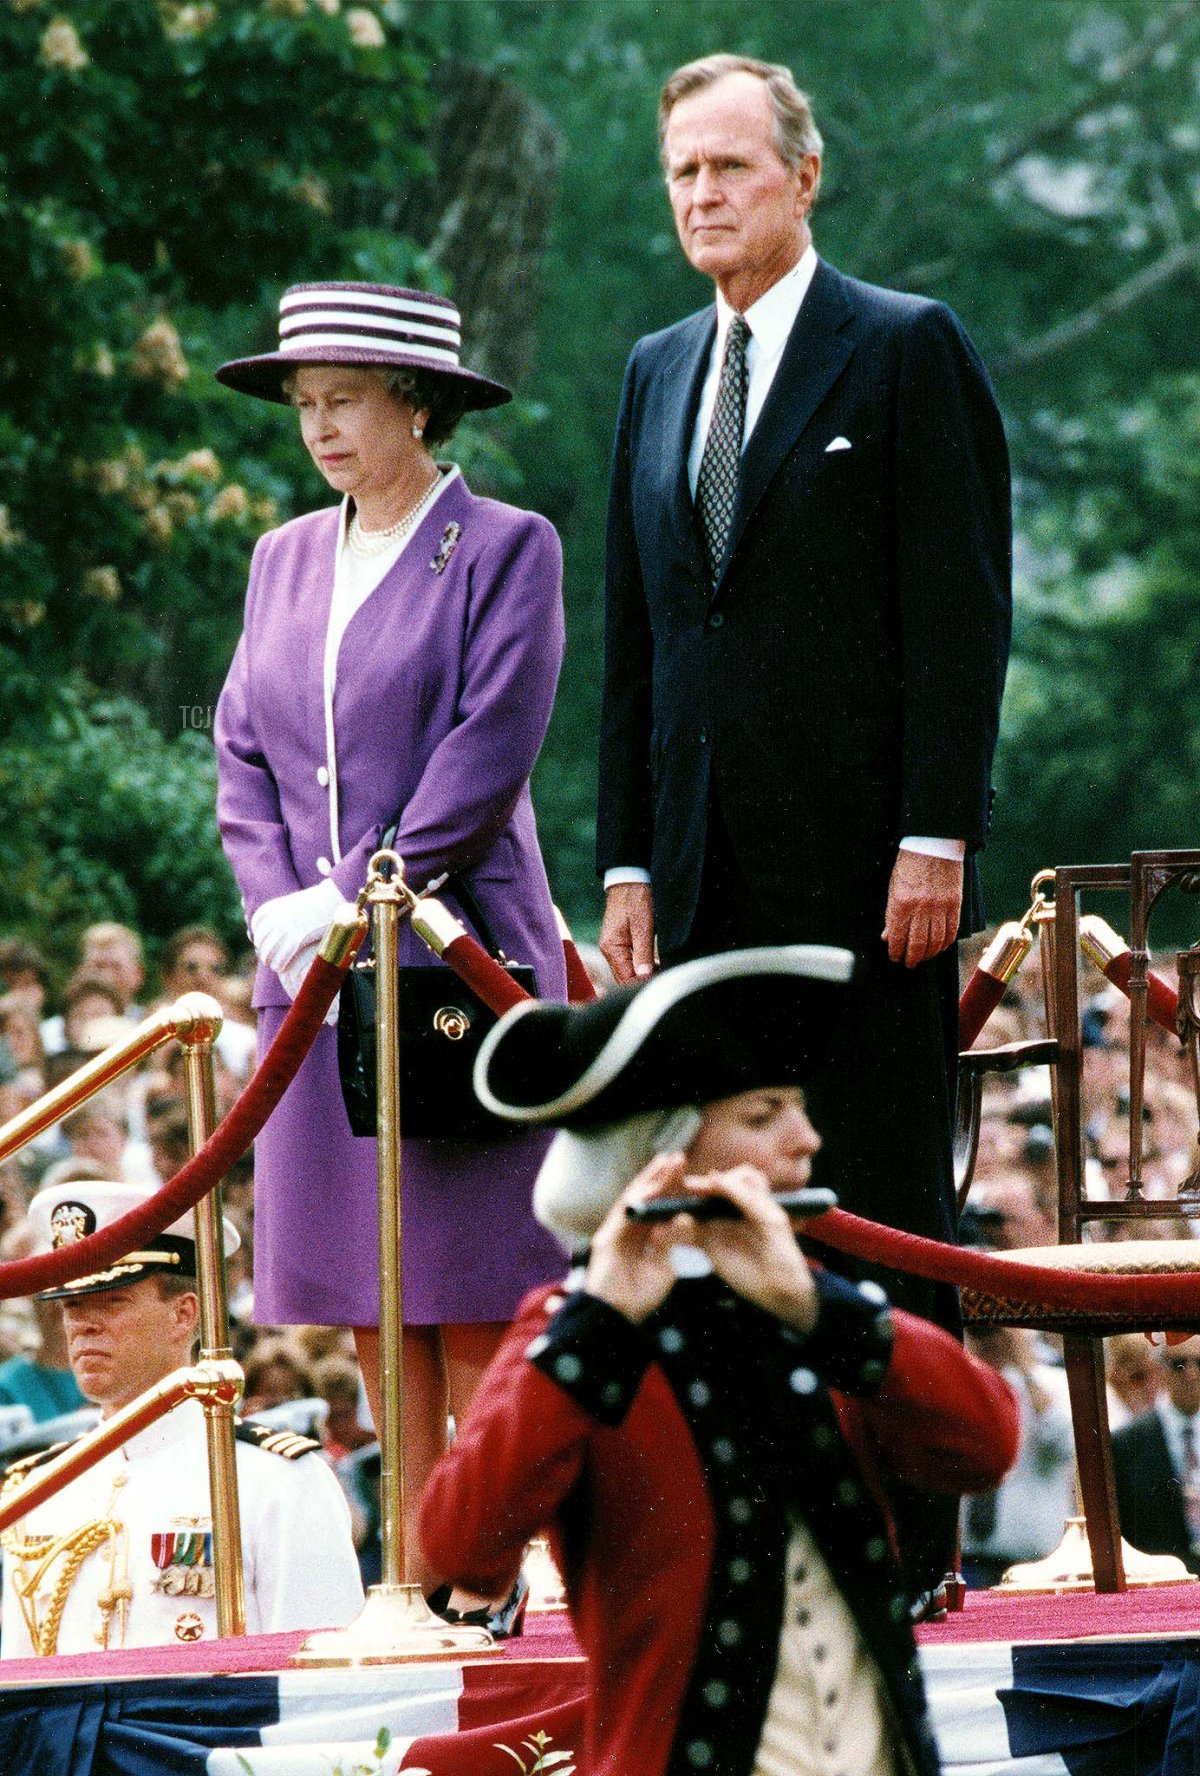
x=444, y=690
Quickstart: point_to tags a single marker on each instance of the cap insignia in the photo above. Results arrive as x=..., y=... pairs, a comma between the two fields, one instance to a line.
x=70, y=1223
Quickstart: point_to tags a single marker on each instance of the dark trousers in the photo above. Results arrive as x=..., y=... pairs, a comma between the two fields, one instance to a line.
x=881, y=1104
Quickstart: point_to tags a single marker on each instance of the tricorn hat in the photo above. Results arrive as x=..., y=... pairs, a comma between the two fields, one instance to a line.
x=381, y=325
x=619, y=1075
x=68, y=1212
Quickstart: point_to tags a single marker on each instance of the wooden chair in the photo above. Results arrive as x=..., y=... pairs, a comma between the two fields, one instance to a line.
x=1143, y=880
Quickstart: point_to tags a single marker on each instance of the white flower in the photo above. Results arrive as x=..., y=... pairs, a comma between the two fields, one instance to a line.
x=202, y=463
x=232, y=502
x=366, y=32
x=158, y=355
x=61, y=47
x=103, y=583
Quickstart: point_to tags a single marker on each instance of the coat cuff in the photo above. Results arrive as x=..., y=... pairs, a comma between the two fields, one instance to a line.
x=594, y=1354
x=850, y=1347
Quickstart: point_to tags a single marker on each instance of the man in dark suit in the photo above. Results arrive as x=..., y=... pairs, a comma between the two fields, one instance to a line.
x=807, y=629
x=803, y=680
x=1156, y=1463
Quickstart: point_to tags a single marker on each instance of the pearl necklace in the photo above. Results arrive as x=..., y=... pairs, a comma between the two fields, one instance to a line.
x=365, y=543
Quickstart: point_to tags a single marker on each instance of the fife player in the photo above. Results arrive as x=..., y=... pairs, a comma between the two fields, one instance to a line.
x=122, y=1556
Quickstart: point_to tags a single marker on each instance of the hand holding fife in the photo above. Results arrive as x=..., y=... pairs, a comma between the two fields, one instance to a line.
x=924, y=906
x=756, y=1253
x=630, y=1265
x=627, y=934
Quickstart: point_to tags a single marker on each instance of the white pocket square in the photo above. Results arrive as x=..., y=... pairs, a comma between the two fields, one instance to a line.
x=839, y=443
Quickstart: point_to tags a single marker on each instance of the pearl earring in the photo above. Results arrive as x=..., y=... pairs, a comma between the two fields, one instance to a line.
x=418, y=431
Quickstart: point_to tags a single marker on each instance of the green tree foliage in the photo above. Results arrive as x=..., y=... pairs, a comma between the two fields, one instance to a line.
x=166, y=168
x=110, y=821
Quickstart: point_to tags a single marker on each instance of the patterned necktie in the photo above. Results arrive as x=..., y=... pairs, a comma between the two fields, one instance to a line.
x=717, y=482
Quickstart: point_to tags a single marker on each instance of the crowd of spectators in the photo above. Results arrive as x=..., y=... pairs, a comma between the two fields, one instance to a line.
x=1013, y=1204
x=304, y=1378
x=307, y=1377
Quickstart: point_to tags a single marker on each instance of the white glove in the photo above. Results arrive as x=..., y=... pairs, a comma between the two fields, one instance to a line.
x=292, y=974
x=281, y=927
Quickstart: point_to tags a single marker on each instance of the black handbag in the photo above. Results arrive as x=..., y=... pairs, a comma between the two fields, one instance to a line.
x=442, y=1024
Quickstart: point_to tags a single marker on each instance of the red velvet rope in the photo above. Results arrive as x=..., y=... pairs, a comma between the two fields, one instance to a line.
x=1162, y=1001
x=484, y=975
x=1150, y=1297
x=981, y=995
x=49, y=1270
x=579, y=982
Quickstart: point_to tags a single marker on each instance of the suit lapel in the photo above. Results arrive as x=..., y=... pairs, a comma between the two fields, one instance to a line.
x=683, y=379
x=817, y=351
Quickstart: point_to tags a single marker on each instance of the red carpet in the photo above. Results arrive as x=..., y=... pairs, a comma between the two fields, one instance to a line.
x=546, y=1636
x=990, y=1615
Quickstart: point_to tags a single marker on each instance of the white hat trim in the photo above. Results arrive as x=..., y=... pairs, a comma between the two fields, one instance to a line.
x=342, y=298
x=811, y=961
x=378, y=347
x=333, y=317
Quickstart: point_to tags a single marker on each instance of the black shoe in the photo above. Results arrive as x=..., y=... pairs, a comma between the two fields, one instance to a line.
x=931, y=1605
x=503, y=1621
x=439, y=1600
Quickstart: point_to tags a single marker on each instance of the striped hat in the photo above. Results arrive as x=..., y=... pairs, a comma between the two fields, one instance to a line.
x=379, y=324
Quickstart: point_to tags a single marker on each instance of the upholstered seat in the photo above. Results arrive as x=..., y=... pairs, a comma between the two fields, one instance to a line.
x=1156, y=1257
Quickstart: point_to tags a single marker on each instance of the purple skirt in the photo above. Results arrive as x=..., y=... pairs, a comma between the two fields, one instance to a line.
x=471, y=1247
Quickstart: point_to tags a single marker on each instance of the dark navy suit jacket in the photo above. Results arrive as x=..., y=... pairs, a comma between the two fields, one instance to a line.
x=1149, y=1492
x=841, y=686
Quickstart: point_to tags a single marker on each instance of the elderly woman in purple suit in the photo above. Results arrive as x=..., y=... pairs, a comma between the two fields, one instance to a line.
x=399, y=659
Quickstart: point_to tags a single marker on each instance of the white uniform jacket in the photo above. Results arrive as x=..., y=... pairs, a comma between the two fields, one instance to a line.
x=136, y=1531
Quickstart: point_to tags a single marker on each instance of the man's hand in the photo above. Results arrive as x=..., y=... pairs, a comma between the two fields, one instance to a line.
x=627, y=934
x=923, y=908
x=630, y=1261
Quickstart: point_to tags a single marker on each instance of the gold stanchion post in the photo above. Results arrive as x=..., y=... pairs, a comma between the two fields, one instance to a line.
x=197, y=1037
x=396, y=1623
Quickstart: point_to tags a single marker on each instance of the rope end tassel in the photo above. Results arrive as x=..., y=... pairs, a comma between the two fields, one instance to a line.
x=1114, y=958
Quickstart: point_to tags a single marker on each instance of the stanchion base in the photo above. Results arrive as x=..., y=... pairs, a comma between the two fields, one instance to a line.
x=546, y=1589
x=1069, y=1568
x=396, y=1626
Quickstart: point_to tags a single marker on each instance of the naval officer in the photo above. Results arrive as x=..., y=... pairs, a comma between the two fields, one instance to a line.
x=122, y=1556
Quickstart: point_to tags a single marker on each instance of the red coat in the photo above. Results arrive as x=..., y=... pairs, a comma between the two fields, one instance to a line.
x=718, y=1422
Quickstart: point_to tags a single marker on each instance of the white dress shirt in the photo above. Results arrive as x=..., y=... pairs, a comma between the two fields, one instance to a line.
x=770, y=321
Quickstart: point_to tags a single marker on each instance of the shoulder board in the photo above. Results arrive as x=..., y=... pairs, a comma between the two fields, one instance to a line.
x=17, y=1471
x=289, y=1444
